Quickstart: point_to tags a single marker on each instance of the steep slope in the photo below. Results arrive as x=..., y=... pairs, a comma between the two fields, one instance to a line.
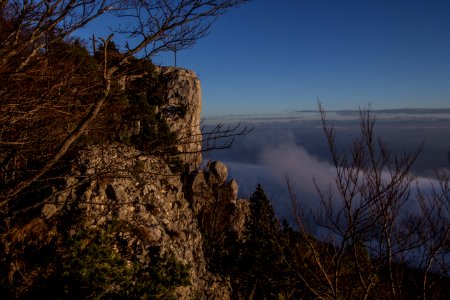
x=120, y=203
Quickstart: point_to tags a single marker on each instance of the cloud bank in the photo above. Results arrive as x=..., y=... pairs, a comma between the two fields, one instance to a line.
x=298, y=150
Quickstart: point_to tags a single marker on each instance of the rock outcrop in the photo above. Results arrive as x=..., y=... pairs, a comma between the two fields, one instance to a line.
x=156, y=207
x=184, y=95
x=142, y=193
x=214, y=199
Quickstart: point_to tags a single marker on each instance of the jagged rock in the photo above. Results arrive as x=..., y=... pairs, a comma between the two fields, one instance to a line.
x=49, y=210
x=240, y=217
x=116, y=183
x=210, y=186
x=183, y=111
x=152, y=204
x=219, y=172
x=233, y=187
x=210, y=189
x=201, y=192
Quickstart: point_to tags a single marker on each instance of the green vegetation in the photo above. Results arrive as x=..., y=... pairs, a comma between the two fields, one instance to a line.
x=258, y=263
x=260, y=259
x=93, y=267
x=89, y=264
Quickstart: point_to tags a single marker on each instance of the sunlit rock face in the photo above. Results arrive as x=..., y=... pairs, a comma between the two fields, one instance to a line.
x=182, y=98
x=154, y=208
x=214, y=198
x=157, y=207
x=143, y=194
x=183, y=110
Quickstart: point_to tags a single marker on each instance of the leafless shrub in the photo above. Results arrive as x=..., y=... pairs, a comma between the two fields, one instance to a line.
x=52, y=95
x=372, y=244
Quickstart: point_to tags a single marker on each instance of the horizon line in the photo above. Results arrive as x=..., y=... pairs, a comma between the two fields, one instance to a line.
x=442, y=110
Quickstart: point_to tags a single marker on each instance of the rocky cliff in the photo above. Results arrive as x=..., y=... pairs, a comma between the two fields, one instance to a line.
x=157, y=212
x=183, y=90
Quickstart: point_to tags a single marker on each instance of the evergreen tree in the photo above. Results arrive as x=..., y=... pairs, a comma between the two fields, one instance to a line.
x=263, y=221
x=111, y=47
x=260, y=259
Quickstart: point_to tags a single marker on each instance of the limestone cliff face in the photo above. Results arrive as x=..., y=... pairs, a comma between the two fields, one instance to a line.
x=181, y=110
x=142, y=193
x=159, y=208
x=184, y=91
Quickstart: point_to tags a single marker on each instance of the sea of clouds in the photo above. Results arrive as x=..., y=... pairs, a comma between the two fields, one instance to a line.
x=294, y=146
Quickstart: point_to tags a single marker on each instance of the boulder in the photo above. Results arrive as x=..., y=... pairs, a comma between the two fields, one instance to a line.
x=219, y=172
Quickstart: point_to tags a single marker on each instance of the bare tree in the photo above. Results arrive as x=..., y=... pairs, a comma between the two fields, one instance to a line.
x=27, y=25
x=162, y=25
x=432, y=229
x=48, y=103
x=371, y=240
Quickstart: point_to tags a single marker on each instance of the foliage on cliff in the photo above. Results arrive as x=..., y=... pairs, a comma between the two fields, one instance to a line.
x=53, y=93
x=40, y=257
x=85, y=264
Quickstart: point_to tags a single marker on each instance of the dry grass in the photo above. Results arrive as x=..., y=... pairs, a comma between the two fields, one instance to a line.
x=16, y=241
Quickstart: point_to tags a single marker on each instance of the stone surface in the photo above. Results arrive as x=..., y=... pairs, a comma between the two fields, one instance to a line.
x=240, y=217
x=219, y=172
x=210, y=189
x=156, y=207
x=49, y=210
x=143, y=193
x=184, y=91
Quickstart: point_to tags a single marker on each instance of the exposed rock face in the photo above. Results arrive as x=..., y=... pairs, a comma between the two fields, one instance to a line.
x=181, y=109
x=219, y=171
x=143, y=193
x=184, y=93
x=211, y=194
x=158, y=208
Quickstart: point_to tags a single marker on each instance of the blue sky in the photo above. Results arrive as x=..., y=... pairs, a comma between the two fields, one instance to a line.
x=277, y=56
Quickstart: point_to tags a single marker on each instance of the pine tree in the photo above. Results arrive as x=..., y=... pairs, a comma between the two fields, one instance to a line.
x=261, y=257
x=263, y=221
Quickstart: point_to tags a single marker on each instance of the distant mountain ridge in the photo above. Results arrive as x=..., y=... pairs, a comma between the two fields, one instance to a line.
x=412, y=111
x=398, y=114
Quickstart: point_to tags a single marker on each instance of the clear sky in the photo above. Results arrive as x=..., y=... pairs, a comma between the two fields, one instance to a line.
x=275, y=56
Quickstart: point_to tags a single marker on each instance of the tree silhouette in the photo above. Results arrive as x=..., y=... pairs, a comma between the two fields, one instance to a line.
x=50, y=99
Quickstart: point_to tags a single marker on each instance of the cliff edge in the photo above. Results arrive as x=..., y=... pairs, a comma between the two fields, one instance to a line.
x=121, y=203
